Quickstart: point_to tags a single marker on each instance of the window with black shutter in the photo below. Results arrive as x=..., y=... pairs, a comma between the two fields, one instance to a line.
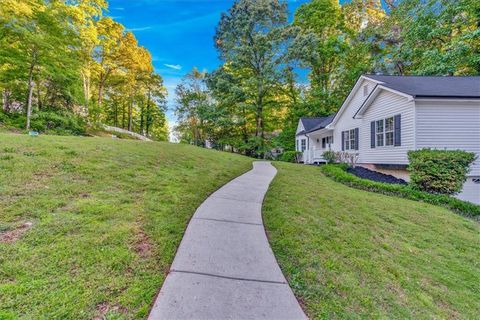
x=372, y=134
x=398, y=130
x=386, y=132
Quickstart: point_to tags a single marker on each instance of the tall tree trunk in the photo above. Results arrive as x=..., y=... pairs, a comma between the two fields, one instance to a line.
x=101, y=86
x=123, y=116
x=147, y=114
x=30, y=88
x=86, y=90
x=115, y=119
x=100, y=93
x=142, y=114
x=5, y=100
x=259, y=126
x=39, y=98
x=130, y=118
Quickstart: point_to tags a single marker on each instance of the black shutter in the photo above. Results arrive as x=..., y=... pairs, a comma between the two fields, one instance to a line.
x=372, y=134
x=357, y=131
x=398, y=130
x=324, y=143
x=343, y=140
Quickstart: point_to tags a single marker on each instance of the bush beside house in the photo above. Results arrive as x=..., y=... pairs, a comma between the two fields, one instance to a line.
x=439, y=171
x=339, y=174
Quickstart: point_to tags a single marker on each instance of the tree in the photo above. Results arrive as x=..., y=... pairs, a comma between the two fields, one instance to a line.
x=432, y=38
x=107, y=53
x=252, y=38
x=56, y=55
x=41, y=43
x=334, y=43
x=192, y=103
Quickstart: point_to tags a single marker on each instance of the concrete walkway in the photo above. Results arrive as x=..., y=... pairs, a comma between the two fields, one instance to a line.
x=224, y=267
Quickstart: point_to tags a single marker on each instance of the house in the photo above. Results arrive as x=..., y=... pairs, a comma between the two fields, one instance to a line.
x=384, y=117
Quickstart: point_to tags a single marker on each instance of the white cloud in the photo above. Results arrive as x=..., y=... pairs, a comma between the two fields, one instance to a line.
x=173, y=66
x=139, y=29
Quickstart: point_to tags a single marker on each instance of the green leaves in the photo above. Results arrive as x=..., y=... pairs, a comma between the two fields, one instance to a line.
x=439, y=171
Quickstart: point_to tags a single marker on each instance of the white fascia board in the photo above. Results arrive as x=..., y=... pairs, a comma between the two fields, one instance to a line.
x=349, y=98
x=374, y=94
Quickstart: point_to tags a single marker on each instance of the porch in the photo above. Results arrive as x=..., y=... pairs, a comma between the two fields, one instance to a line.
x=318, y=142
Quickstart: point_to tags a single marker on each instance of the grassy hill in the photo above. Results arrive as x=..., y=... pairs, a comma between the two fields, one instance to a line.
x=352, y=254
x=89, y=226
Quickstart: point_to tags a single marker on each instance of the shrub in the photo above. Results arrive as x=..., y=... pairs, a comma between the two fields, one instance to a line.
x=439, y=171
x=339, y=174
x=47, y=121
x=330, y=156
x=63, y=123
x=290, y=156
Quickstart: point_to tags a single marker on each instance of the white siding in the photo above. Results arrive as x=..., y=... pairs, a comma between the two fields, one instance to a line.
x=449, y=125
x=452, y=125
x=300, y=126
x=345, y=120
x=388, y=104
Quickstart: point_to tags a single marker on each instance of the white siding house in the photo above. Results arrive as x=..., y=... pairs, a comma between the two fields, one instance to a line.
x=450, y=124
x=384, y=117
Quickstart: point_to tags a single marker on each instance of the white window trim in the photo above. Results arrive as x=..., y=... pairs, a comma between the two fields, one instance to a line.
x=349, y=136
x=303, y=145
x=384, y=132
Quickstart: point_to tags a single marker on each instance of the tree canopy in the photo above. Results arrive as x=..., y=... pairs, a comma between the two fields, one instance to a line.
x=257, y=95
x=65, y=59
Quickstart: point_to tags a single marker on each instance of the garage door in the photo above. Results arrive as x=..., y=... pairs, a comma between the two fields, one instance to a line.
x=471, y=190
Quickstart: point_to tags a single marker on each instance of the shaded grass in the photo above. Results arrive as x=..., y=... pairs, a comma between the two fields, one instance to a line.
x=349, y=253
x=106, y=218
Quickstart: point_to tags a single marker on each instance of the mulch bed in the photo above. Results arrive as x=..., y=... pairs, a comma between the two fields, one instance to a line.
x=374, y=175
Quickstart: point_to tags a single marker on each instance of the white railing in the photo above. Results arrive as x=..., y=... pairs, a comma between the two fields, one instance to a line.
x=120, y=130
x=313, y=155
x=318, y=154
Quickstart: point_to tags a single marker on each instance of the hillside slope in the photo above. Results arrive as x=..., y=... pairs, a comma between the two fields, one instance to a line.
x=89, y=226
x=352, y=254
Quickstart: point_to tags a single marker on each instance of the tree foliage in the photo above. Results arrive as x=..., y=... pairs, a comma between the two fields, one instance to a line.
x=255, y=97
x=64, y=56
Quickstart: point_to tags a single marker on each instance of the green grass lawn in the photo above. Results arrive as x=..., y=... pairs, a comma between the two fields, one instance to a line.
x=89, y=226
x=352, y=254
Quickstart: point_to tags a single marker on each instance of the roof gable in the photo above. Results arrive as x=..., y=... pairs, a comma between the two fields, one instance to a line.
x=306, y=125
x=348, y=99
x=300, y=127
x=374, y=94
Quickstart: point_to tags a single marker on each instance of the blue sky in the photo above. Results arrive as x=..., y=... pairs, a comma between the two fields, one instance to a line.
x=178, y=33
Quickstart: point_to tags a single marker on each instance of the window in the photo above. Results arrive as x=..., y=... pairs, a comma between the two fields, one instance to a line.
x=350, y=140
x=379, y=133
x=384, y=132
x=346, y=140
x=389, y=124
x=297, y=145
x=304, y=145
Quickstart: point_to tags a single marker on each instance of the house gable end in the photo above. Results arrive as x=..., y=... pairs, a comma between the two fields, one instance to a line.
x=374, y=94
x=300, y=127
x=359, y=86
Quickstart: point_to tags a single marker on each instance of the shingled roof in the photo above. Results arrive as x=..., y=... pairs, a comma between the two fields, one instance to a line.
x=431, y=87
x=314, y=124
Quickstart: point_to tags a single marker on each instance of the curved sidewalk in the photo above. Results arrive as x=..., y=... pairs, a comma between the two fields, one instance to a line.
x=224, y=267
